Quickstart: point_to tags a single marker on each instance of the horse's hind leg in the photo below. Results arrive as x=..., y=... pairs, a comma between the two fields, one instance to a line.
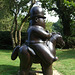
x=25, y=68
x=25, y=61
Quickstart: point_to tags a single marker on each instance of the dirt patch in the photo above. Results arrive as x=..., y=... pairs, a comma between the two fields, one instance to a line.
x=55, y=72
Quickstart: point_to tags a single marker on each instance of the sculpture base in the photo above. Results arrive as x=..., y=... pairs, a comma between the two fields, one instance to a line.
x=55, y=72
x=33, y=73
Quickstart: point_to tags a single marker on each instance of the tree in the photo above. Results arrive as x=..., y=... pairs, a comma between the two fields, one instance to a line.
x=49, y=26
x=57, y=27
x=5, y=16
x=66, y=11
x=17, y=7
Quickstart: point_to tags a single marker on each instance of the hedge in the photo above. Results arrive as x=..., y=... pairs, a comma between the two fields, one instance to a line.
x=5, y=39
x=69, y=42
x=6, y=42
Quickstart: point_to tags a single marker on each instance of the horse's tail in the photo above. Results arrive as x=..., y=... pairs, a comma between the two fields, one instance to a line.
x=15, y=53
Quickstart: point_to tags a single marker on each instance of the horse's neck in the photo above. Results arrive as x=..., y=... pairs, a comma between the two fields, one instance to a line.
x=51, y=45
x=53, y=41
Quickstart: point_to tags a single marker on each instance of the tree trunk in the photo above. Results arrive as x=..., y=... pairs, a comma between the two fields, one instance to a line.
x=16, y=28
x=12, y=35
x=66, y=25
x=13, y=41
x=14, y=32
x=23, y=21
x=66, y=29
x=17, y=39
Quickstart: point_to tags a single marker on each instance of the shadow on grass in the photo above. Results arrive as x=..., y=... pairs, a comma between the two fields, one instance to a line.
x=8, y=70
x=66, y=54
x=13, y=70
x=6, y=51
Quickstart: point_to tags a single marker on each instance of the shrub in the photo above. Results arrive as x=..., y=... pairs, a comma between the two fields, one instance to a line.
x=71, y=42
x=5, y=39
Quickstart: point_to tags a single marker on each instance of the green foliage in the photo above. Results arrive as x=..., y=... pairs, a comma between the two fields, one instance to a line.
x=47, y=4
x=20, y=6
x=58, y=27
x=73, y=28
x=71, y=42
x=66, y=11
x=19, y=19
x=49, y=26
x=70, y=6
x=5, y=16
x=25, y=27
x=5, y=24
x=10, y=7
x=5, y=39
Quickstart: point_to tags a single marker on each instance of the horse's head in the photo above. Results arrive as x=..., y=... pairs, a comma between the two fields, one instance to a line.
x=58, y=39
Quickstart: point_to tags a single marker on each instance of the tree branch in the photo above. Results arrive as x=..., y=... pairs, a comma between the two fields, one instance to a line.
x=55, y=9
x=22, y=23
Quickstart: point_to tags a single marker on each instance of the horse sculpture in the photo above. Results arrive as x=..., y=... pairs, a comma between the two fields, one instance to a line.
x=27, y=56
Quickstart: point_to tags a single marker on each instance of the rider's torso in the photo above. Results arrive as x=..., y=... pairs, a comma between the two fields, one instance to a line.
x=35, y=34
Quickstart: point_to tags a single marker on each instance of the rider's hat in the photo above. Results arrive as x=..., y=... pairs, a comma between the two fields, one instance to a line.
x=36, y=12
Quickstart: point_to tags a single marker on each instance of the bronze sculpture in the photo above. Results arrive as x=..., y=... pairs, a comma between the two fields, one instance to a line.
x=40, y=46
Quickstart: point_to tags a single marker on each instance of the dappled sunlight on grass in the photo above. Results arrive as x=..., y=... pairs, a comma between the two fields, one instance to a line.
x=66, y=61
x=36, y=67
x=7, y=66
x=8, y=70
x=65, y=54
x=10, y=67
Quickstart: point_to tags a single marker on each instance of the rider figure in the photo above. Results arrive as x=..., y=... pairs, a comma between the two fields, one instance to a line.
x=37, y=36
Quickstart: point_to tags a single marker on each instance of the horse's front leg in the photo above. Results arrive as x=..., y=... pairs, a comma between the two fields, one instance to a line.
x=47, y=70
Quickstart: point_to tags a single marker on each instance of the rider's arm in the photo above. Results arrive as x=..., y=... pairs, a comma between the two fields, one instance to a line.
x=42, y=33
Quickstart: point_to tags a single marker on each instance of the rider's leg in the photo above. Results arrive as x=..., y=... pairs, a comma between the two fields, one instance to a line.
x=44, y=53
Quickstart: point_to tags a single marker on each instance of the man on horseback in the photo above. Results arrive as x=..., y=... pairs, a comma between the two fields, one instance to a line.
x=37, y=36
x=37, y=43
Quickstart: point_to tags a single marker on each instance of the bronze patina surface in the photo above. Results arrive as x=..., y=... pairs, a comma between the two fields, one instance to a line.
x=40, y=45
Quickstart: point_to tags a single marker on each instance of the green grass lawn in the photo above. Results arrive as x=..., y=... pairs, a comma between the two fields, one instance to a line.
x=65, y=64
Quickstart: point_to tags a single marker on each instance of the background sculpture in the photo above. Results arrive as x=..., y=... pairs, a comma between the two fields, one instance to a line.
x=40, y=45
